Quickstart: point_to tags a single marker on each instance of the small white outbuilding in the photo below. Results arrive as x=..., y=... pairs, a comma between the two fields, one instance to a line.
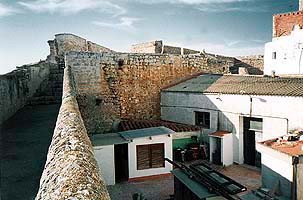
x=131, y=155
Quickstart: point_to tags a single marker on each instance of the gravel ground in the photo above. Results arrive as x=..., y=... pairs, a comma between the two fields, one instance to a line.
x=161, y=188
x=153, y=189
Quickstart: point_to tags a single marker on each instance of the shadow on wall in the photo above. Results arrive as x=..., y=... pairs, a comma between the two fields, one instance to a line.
x=272, y=179
x=197, y=109
x=253, y=66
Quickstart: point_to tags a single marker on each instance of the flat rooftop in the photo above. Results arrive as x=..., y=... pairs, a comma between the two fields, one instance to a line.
x=290, y=144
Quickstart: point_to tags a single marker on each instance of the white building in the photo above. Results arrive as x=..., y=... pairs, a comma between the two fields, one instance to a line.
x=131, y=155
x=252, y=108
x=282, y=166
x=284, y=55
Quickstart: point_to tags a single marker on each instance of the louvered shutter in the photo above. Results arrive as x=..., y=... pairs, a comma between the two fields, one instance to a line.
x=143, y=160
x=157, y=155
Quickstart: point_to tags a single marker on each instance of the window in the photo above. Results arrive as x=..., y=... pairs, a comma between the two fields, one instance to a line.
x=203, y=119
x=150, y=156
x=274, y=55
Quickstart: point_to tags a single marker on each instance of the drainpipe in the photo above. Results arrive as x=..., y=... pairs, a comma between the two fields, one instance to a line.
x=295, y=161
x=250, y=107
x=300, y=61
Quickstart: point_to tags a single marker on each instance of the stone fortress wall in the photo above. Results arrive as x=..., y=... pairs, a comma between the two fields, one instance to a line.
x=18, y=86
x=115, y=86
x=158, y=47
x=106, y=87
x=71, y=171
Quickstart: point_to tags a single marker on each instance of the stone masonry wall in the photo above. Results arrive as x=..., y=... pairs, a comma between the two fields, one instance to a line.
x=71, y=170
x=66, y=42
x=171, y=50
x=159, y=47
x=284, y=23
x=17, y=87
x=147, y=47
x=114, y=86
x=253, y=64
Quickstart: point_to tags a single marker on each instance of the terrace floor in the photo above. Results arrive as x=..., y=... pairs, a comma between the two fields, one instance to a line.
x=24, y=142
x=161, y=187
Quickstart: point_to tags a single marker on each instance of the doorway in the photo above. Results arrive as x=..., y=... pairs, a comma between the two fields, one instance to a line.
x=251, y=127
x=121, y=162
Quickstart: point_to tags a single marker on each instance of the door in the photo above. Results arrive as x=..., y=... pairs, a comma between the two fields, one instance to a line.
x=121, y=162
x=249, y=147
x=251, y=126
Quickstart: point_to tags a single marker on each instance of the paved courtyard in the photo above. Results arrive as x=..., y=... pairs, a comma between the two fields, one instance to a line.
x=153, y=189
x=24, y=141
x=161, y=188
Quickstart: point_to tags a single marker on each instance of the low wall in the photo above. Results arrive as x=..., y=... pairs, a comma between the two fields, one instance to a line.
x=71, y=170
x=18, y=86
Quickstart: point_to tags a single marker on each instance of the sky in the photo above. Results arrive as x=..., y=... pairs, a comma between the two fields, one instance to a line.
x=227, y=27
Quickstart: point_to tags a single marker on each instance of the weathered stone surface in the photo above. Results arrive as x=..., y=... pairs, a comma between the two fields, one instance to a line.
x=171, y=50
x=147, y=47
x=18, y=86
x=65, y=42
x=71, y=170
x=253, y=64
x=114, y=86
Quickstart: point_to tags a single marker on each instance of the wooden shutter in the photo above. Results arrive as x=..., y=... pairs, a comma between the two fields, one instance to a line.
x=157, y=155
x=143, y=160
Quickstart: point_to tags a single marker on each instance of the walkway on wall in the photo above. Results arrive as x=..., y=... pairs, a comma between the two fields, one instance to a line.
x=24, y=142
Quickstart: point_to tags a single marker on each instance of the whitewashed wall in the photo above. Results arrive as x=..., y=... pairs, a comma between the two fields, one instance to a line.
x=279, y=114
x=132, y=162
x=289, y=51
x=105, y=156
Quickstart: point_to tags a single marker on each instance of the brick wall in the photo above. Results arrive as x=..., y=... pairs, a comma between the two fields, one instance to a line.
x=283, y=23
x=114, y=86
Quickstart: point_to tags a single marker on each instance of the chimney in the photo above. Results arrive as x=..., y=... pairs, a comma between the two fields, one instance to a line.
x=300, y=5
x=273, y=73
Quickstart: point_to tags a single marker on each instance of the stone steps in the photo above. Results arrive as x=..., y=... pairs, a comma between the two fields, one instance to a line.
x=53, y=92
x=44, y=100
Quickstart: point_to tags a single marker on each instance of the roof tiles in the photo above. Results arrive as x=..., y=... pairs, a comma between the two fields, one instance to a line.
x=243, y=85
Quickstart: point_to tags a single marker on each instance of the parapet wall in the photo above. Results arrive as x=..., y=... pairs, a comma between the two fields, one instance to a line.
x=71, y=170
x=147, y=47
x=115, y=86
x=159, y=48
x=18, y=86
x=66, y=42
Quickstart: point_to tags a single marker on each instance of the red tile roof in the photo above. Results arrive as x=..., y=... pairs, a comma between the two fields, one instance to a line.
x=219, y=133
x=139, y=124
x=293, y=148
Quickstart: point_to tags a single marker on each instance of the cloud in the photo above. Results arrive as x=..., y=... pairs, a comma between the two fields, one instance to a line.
x=125, y=23
x=73, y=6
x=6, y=10
x=189, y=2
x=231, y=48
x=228, y=7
